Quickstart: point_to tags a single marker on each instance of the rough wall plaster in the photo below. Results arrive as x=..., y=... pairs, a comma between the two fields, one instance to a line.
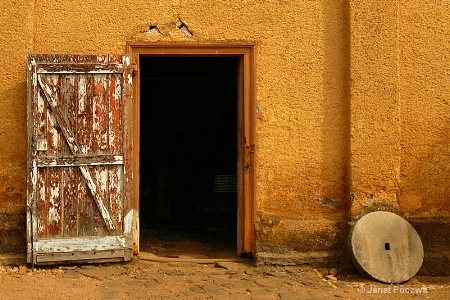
x=425, y=106
x=352, y=96
x=16, y=40
x=375, y=108
x=301, y=72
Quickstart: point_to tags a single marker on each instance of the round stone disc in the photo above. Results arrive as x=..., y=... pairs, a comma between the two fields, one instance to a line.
x=386, y=247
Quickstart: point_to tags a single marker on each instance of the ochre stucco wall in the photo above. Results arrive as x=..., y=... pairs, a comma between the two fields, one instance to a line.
x=16, y=21
x=375, y=108
x=400, y=110
x=352, y=102
x=302, y=67
x=425, y=105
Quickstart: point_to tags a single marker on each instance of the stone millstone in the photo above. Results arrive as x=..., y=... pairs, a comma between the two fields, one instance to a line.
x=386, y=247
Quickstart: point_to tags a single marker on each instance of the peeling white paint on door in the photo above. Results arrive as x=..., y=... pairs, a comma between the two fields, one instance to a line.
x=77, y=195
x=128, y=222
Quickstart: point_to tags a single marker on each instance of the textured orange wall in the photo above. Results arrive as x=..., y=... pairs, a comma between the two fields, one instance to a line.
x=425, y=106
x=302, y=94
x=352, y=99
x=400, y=113
x=302, y=68
x=375, y=106
x=16, y=21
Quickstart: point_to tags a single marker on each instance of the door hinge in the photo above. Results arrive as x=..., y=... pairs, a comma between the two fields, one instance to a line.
x=251, y=148
x=134, y=69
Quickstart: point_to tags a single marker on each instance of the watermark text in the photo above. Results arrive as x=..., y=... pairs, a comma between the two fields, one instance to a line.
x=393, y=289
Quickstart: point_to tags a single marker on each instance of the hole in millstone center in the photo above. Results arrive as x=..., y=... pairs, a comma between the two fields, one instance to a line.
x=387, y=246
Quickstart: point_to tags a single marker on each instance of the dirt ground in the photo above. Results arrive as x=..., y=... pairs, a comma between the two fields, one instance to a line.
x=175, y=279
x=173, y=267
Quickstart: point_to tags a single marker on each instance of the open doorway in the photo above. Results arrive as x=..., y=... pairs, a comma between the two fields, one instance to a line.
x=188, y=155
x=235, y=63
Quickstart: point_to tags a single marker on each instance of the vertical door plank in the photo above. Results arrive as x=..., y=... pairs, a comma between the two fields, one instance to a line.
x=54, y=202
x=70, y=198
x=100, y=177
x=100, y=114
x=84, y=142
x=85, y=208
x=115, y=147
x=67, y=97
x=116, y=195
x=100, y=144
x=71, y=176
x=64, y=102
x=40, y=209
x=54, y=175
x=85, y=113
x=115, y=125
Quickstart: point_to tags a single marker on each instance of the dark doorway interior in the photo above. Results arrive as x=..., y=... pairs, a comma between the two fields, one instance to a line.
x=188, y=153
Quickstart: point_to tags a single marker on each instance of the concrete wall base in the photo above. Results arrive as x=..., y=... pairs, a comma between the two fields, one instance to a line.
x=12, y=232
x=315, y=258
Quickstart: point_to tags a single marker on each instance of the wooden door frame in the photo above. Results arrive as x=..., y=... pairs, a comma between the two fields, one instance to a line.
x=246, y=125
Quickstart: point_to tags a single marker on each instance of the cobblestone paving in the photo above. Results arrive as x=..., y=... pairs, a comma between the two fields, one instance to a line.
x=181, y=280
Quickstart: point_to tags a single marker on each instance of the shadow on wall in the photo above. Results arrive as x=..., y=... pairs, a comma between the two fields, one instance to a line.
x=13, y=148
x=424, y=200
x=426, y=187
x=336, y=103
x=13, y=155
x=12, y=233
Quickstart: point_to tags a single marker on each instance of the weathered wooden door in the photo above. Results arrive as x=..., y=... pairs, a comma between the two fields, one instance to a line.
x=79, y=184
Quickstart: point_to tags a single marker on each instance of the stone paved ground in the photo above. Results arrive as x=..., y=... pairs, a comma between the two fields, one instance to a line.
x=186, y=280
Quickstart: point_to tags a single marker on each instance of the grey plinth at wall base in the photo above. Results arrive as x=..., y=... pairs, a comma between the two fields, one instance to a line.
x=386, y=247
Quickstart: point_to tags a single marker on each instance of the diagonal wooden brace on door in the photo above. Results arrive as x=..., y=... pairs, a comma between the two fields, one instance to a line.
x=50, y=96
